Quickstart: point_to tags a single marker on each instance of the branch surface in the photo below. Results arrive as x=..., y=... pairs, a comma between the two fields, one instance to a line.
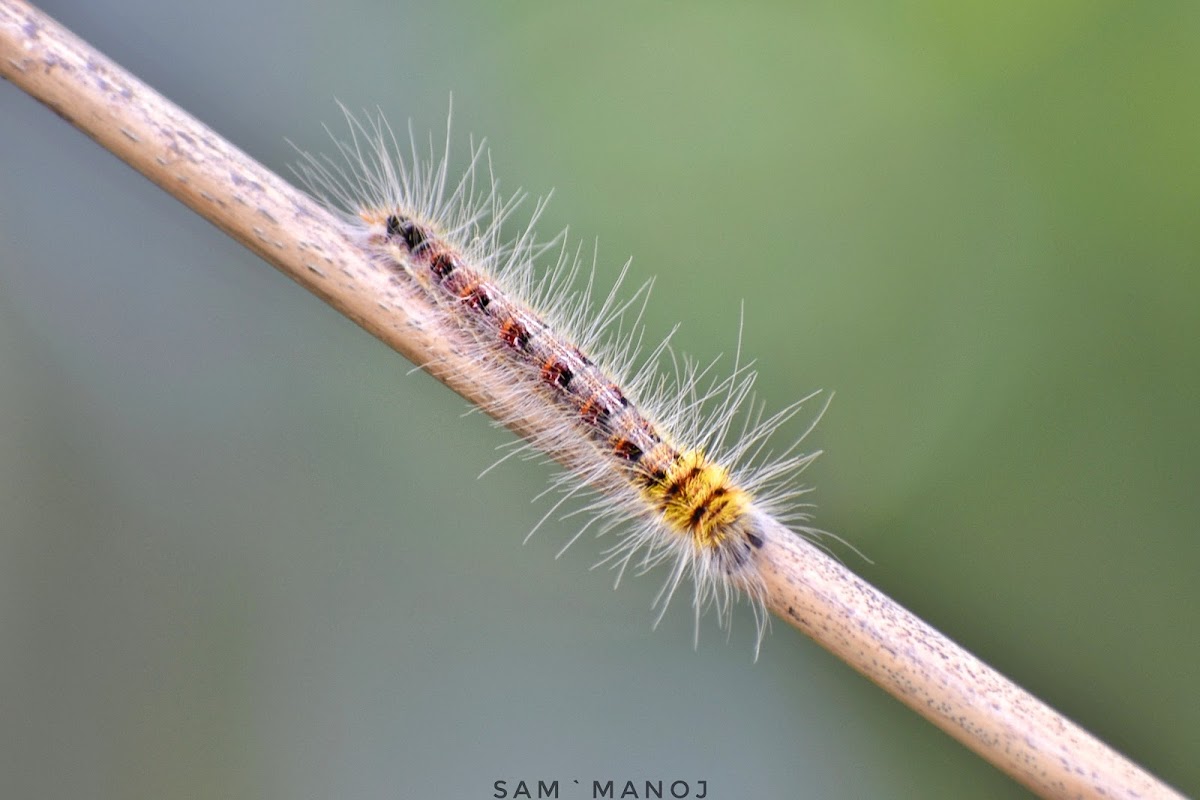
x=926, y=671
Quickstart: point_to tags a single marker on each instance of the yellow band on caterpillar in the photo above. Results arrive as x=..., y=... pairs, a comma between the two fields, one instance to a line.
x=697, y=497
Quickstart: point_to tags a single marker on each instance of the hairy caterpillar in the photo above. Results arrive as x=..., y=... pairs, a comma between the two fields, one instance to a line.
x=674, y=461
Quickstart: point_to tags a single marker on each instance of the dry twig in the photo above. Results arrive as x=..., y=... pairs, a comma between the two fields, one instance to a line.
x=922, y=668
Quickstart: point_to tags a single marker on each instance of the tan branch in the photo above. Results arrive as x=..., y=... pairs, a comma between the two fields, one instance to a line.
x=923, y=669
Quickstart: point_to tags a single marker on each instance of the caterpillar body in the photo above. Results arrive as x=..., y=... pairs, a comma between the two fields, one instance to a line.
x=675, y=461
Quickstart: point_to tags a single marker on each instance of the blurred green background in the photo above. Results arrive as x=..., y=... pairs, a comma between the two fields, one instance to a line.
x=243, y=553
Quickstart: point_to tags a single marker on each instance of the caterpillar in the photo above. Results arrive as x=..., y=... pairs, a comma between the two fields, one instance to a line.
x=675, y=460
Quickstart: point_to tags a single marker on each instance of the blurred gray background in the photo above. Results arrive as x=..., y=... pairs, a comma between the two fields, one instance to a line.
x=244, y=554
